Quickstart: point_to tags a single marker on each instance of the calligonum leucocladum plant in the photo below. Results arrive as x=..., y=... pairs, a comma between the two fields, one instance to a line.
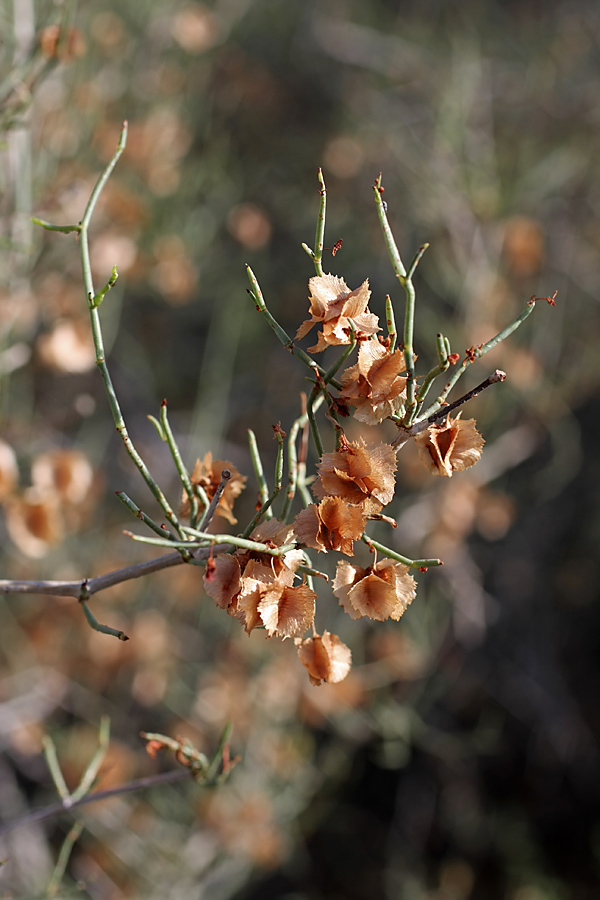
x=263, y=575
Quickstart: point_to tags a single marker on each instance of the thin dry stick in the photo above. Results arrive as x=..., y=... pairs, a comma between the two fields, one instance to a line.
x=56, y=808
x=86, y=587
x=406, y=433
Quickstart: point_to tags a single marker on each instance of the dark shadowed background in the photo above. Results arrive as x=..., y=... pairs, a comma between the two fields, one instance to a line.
x=460, y=758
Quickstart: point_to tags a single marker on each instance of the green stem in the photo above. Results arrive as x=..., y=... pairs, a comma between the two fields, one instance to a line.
x=416, y=260
x=270, y=499
x=282, y=335
x=328, y=377
x=314, y=428
x=388, y=237
x=139, y=514
x=53, y=764
x=297, y=464
x=99, y=297
x=184, y=475
x=405, y=279
x=259, y=472
x=317, y=254
x=390, y=321
x=91, y=772
x=204, y=537
x=409, y=355
x=443, y=365
x=477, y=353
x=217, y=759
x=105, y=629
x=63, y=859
x=93, y=303
x=63, y=229
x=320, y=232
x=292, y=469
x=391, y=554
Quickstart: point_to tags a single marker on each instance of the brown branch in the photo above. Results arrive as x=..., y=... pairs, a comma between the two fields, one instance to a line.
x=64, y=806
x=210, y=512
x=84, y=588
x=418, y=427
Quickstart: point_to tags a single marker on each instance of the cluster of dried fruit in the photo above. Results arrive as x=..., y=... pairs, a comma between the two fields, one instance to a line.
x=354, y=483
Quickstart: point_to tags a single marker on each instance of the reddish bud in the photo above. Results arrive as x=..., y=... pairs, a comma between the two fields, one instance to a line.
x=337, y=246
x=152, y=748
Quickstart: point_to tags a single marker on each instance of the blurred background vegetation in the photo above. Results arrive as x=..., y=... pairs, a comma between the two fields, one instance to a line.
x=459, y=760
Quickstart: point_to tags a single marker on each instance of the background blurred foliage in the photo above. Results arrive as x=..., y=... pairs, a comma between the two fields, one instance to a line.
x=459, y=760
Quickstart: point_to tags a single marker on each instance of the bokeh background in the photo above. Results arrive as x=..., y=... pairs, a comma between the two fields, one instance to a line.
x=459, y=760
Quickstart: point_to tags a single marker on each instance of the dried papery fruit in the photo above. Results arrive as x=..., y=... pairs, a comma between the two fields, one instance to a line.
x=271, y=601
x=333, y=305
x=360, y=473
x=383, y=591
x=451, y=447
x=325, y=658
x=278, y=534
x=332, y=525
x=9, y=471
x=263, y=573
x=374, y=385
x=287, y=611
x=208, y=475
x=224, y=582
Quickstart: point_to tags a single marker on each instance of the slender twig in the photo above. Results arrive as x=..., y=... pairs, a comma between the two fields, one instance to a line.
x=57, y=808
x=297, y=460
x=390, y=321
x=98, y=626
x=63, y=858
x=328, y=377
x=411, y=563
x=259, y=472
x=216, y=539
x=207, y=773
x=139, y=514
x=476, y=353
x=496, y=376
x=317, y=254
x=53, y=764
x=442, y=347
x=100, y=583
x=416, y=260
x=265, y=508
x=405, y=279
x=303, y=455
x=210, y=512
x=91, y=772
x=420, y=426
x=292, y=469
x=94, y=301
x=314, y=428
x=390, y=243
x=183, y=473
x=283, y=336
